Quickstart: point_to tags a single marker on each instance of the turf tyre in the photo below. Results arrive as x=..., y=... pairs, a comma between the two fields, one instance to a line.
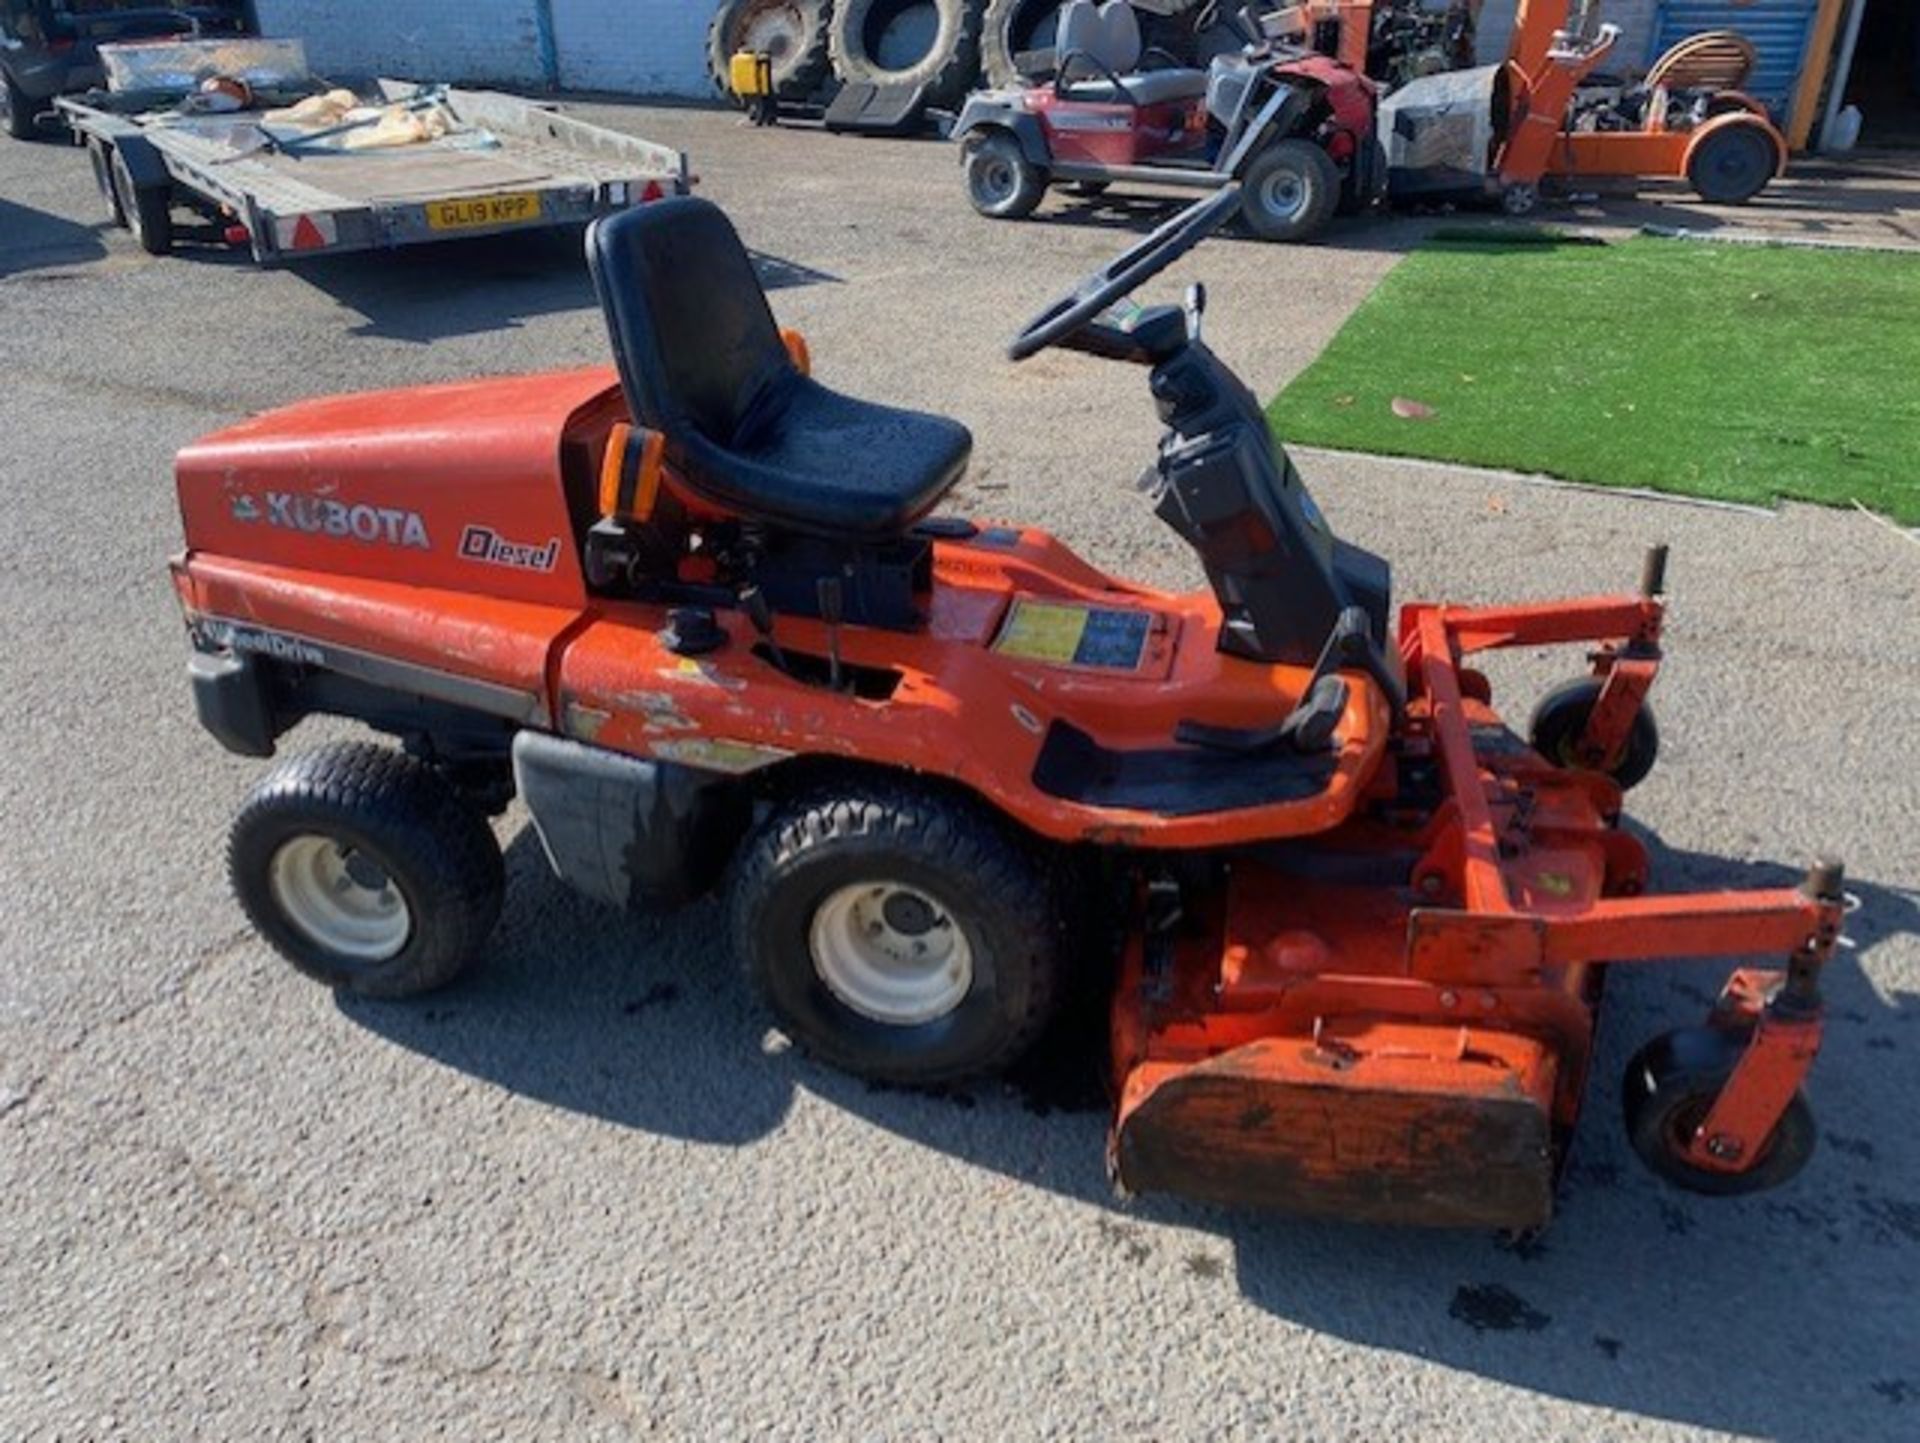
x=793, y=31
x=1001, y=182
x=1733, y=164
x=1560, y=720
x=947, y=68
x=989, y=881
x=401, y=815
x=1669, y=1087
x=1289, y=191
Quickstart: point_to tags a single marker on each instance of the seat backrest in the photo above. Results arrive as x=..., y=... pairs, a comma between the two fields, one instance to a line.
x=1107, y=32
x=692, y=332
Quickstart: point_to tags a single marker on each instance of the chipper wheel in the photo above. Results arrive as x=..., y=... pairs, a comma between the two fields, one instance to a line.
x=1561, y=720
x=1669, y=1089
x=898, y=933
x=366, y=870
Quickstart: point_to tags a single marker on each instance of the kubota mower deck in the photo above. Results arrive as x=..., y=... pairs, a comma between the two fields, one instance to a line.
x=700, y=619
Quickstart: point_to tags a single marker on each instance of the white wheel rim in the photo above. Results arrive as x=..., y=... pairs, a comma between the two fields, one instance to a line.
x=340, y=899
x=1283, y=195
x=891, y=953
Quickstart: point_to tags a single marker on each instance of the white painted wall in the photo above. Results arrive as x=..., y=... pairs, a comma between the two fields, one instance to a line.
x=641, y=47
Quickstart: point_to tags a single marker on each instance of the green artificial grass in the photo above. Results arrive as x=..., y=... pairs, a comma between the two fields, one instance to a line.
x=1739, y=372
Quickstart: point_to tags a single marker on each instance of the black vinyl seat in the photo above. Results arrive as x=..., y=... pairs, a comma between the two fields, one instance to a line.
x=702, y=363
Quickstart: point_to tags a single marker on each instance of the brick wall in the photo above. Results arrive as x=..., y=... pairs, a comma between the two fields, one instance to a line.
x=642, y=47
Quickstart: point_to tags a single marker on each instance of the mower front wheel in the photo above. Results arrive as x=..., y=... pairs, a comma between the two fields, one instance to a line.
x=366, y=870
x=1560, y=721
x=1001, y=181
x=1671, y=1086
x=898, y=933
x=1289, y=191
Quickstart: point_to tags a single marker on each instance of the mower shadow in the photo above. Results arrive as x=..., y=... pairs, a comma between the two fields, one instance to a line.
x=1755, y=1316
x=463, y=288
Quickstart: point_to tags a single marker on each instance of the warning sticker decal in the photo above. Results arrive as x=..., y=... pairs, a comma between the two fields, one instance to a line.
x=1066, y=635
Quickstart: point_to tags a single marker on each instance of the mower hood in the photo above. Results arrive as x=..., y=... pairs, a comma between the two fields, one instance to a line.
x=459, y=486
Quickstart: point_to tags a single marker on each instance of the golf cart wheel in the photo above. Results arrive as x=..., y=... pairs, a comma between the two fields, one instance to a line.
x=22, y=118
x=148, y=208
x=1561, y=720
x=100, y=156
x=1670, y=1087
x=1289, y=190
x=898, y=933
x=792, y=33
x=1001, y=181
x=366, y=870
x=1733, y=164
x=912, y=43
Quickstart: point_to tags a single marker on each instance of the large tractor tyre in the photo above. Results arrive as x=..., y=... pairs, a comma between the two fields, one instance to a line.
x=22, y=114
x=1289, y=191
x=915, y=43
x=1014, y=28
x=1734, y=163
x=147, y=209
x=792, y=32
x=1560, y=721
x=899, y=933
x=1001, y=181
x=366, y=870
x=1669, y=1089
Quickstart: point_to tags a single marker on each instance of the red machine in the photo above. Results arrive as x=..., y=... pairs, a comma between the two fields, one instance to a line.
x=700, y=616
x=1291, y=127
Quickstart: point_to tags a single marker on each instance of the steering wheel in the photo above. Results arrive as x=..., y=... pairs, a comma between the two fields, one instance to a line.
x=1125, y=274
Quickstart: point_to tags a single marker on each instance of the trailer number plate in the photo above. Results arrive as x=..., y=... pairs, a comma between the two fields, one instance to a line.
x=471, y=212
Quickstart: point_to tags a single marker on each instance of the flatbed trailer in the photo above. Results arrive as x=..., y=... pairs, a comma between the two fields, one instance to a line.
x=295, y=200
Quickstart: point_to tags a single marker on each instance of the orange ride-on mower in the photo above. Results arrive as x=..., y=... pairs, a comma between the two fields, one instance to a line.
x=702, y=617
x=1292, y=130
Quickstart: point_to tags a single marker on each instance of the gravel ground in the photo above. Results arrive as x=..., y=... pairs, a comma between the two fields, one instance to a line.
x=583, y=1194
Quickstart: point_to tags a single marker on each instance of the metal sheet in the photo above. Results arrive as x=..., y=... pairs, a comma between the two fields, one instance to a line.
x=1779, y=30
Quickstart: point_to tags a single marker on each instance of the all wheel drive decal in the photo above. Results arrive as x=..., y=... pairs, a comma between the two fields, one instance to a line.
x=324, y=516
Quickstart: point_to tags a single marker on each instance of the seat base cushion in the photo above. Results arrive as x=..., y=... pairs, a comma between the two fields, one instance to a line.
x=1148, y=87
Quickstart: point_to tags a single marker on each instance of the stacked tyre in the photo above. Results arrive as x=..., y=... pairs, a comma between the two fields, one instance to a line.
x=932, y=45
x=793, y=33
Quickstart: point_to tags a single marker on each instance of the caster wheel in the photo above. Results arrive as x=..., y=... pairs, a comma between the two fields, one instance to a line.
x=366, y=870
x=1561, y=720
x=898, y=933
x=1669, y=1088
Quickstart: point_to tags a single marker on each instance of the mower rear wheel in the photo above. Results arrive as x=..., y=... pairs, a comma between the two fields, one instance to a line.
x=1001, y=181
x=1669, y=1089
x=365, y=869
x=1561, y=720
x=1733, y=164
x=898, y=933
x=1289, y=191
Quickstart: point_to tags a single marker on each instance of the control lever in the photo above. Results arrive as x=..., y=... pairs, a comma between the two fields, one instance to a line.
x=754, y=601
x=1196, y=309
x=831, y=598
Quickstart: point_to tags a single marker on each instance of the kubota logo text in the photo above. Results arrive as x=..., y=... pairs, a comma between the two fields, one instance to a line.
x=323, y=516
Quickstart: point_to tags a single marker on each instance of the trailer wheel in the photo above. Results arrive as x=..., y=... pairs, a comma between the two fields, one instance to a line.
x=792, y=32
x=1733, y=164
x=366, y=870
x=1289, y=190
x=148, y=208
x=100, y=156
x=1001, y=181
x=1561, y=719
x=897, y=933
x=1669, y=1089
x=22, y=118
x=912, y=43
